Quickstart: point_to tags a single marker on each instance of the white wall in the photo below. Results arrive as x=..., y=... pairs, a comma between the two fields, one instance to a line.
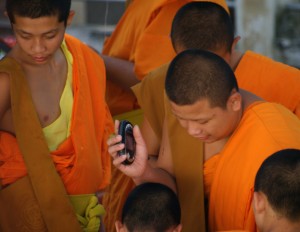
x=255, y=23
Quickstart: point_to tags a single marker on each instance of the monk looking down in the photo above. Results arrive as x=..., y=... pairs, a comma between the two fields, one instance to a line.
x=54, y=123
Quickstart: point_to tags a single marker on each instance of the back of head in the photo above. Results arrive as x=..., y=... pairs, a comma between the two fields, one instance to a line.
x=194, y=75
x=151, y=207
x=279, y=179
x=38, y=8
x=202, y=25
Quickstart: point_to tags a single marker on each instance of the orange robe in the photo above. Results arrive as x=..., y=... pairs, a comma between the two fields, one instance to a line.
x=269, y=79
x=142, y=36
x=264, y=129
x=82, y=160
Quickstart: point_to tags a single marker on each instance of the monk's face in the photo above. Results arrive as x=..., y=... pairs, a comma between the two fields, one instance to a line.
x=38, y=39
x=206, y=123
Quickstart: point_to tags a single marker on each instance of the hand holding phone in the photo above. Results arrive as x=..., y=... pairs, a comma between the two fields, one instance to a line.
x=126, y=131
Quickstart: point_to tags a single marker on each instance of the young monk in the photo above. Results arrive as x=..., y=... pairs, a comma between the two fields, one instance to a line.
x=54, y=123
x=140, y=42
x=150, y=207
x=238, y=130
x=202, y=25
x=276, y=199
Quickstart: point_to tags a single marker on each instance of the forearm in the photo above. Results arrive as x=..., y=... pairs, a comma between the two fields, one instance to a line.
x=156, y=175
x=120, y=71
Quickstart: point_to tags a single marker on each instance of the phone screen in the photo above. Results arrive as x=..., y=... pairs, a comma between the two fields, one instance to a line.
x=130, y=143
x=126, y=131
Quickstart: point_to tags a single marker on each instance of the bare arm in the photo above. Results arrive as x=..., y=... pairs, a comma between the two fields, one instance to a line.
x=120, y=71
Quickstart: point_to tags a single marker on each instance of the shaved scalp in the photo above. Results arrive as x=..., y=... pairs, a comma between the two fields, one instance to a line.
x=195, y=74
x=202, y=25
x=38, y=8
x=151, y=207
x=279, y=179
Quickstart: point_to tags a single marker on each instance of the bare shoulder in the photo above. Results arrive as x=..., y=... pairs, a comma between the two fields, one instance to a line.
x=4, y=94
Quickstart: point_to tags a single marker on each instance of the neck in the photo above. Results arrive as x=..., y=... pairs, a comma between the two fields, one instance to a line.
x=248, y=98
x=235, y=59
x=283, y=225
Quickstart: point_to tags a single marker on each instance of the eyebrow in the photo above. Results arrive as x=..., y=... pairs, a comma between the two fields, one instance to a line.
x=45, y=33
x=197, y=119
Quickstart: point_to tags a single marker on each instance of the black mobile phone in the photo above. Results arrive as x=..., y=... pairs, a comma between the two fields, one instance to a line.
x=126, y=131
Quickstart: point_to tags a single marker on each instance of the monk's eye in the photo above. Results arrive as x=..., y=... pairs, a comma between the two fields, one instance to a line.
x=26, y=37
x=203, y=122
x=50, y=36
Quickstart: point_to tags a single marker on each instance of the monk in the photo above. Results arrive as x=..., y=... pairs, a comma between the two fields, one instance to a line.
x=238, y=131
x=54, y=123
x=276, y=200
x=139, y=43
x=138, y=57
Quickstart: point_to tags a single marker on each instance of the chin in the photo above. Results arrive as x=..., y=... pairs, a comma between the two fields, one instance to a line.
x=207, y=140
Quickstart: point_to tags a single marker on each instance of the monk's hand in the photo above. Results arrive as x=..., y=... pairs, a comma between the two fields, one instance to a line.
x=136, y=169
x=114, y=144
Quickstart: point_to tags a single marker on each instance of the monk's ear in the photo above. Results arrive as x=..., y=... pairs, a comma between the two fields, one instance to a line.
x=259, y=203
x=120, y=227
x=178, y=228
x=235, y=101
x=234, y=43
x=70, y=17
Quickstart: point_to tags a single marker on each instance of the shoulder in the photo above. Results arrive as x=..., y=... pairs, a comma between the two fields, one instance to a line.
x=267, y=62
x=5, y=65
x=82, y=53
x=151, y=88
x=4, y=93
x=155, y=79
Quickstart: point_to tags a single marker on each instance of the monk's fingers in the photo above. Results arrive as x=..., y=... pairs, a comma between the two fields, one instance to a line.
x=118, y=160
x=117, y=123
x=114, y=139
x=112, y=150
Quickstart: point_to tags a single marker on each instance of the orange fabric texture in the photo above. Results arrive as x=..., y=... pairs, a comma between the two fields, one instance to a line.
x=271, y=80
x=82, y=160
x=142, y=36
x=114, y=198
x=264, y=129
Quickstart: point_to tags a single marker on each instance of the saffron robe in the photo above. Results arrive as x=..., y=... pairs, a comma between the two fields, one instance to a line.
x=264, y=129
x=271, y=80
x=82, y=160
x=142, y=36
